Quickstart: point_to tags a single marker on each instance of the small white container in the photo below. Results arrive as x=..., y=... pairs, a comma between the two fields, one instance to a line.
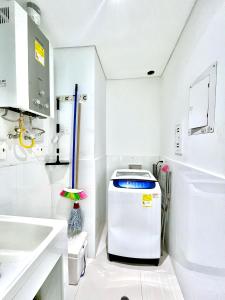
x=77, y=254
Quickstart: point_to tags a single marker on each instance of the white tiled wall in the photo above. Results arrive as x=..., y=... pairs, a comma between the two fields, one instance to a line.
x=196, y=235
x=196, y=231
x=100, y=196
x=25, y=190
x=133, y=117
x=132, y=123
x=28, y=187
x=8, y=183
x=81, y=66
x=24, y=181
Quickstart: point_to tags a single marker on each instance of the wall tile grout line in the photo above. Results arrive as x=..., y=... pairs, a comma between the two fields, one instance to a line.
x=141, y=286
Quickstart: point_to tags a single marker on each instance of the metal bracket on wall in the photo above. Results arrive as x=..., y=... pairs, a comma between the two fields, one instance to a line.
x=58, y=162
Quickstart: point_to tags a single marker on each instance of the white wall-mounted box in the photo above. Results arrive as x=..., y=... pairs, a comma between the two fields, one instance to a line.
x=202, y=100
x=26, y=63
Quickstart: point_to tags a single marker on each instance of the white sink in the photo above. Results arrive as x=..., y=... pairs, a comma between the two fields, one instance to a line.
x=26, y=245
x=19, y=239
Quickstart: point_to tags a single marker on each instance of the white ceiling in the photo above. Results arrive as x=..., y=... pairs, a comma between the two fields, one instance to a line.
x=131, y=36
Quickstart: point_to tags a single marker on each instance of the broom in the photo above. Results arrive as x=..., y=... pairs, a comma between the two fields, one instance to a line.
x=75, y=221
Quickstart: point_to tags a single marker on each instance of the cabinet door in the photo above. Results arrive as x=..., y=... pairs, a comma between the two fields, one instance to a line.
x=199, y=104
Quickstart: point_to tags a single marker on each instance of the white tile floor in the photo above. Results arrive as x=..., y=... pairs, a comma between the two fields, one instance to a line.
x=106, y=280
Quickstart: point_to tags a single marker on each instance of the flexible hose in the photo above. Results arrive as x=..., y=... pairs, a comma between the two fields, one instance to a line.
x=21, y=138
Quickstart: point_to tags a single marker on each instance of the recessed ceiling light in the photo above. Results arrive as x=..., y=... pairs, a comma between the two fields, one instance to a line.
x=151, y=72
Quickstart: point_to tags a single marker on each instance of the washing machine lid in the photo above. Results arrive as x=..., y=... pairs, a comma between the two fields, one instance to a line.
x=143, y=175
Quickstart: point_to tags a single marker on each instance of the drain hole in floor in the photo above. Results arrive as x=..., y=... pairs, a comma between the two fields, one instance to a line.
x=124, y=298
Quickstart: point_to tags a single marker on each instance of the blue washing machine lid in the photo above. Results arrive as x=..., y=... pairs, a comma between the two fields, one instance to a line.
x=134, y=184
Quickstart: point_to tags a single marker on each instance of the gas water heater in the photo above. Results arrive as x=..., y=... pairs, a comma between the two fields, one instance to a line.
x=26, y=64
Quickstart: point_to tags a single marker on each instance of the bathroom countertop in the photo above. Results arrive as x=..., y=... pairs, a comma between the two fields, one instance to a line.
x=19, y=265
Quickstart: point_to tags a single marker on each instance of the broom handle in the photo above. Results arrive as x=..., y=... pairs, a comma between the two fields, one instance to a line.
x=78, y=143
x=74, y=138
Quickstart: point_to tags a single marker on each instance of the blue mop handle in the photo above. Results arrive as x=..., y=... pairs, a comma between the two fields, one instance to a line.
x=74, y=137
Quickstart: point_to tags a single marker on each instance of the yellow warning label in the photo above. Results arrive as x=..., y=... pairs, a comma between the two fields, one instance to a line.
x=147, y=200
x=39, y=53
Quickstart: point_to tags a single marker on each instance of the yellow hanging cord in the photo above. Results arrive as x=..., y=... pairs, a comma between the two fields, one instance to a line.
x=22, y=130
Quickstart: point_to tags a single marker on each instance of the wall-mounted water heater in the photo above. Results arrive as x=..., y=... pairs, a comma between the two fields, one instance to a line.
x=26, y=65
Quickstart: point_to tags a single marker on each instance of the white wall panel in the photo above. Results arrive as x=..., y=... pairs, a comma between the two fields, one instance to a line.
x=81, y=66
x=133, y=117
x=196, y=226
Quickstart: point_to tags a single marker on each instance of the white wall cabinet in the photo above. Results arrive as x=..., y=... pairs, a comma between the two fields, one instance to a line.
x=202, y=99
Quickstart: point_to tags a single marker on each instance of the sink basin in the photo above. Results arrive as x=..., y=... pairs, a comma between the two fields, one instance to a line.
x=27, y=244
x=19, y=239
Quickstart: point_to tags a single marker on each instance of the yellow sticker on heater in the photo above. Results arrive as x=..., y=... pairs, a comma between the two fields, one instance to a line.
x=147, y=200
x=39, y=52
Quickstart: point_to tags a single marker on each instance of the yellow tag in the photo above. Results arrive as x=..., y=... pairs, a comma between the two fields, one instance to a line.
x=147, y=200
x=39, y=53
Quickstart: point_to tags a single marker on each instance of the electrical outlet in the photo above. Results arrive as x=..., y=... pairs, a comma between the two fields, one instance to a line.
x=178, y=140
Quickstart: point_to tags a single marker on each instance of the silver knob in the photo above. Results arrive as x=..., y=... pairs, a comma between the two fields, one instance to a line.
x=37, y=101
x=42, y=93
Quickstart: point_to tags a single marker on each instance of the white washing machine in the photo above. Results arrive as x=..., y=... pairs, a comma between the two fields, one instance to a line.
x=134, y=216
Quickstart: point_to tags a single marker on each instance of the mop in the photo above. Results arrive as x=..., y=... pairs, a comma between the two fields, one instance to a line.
x=75, y=220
